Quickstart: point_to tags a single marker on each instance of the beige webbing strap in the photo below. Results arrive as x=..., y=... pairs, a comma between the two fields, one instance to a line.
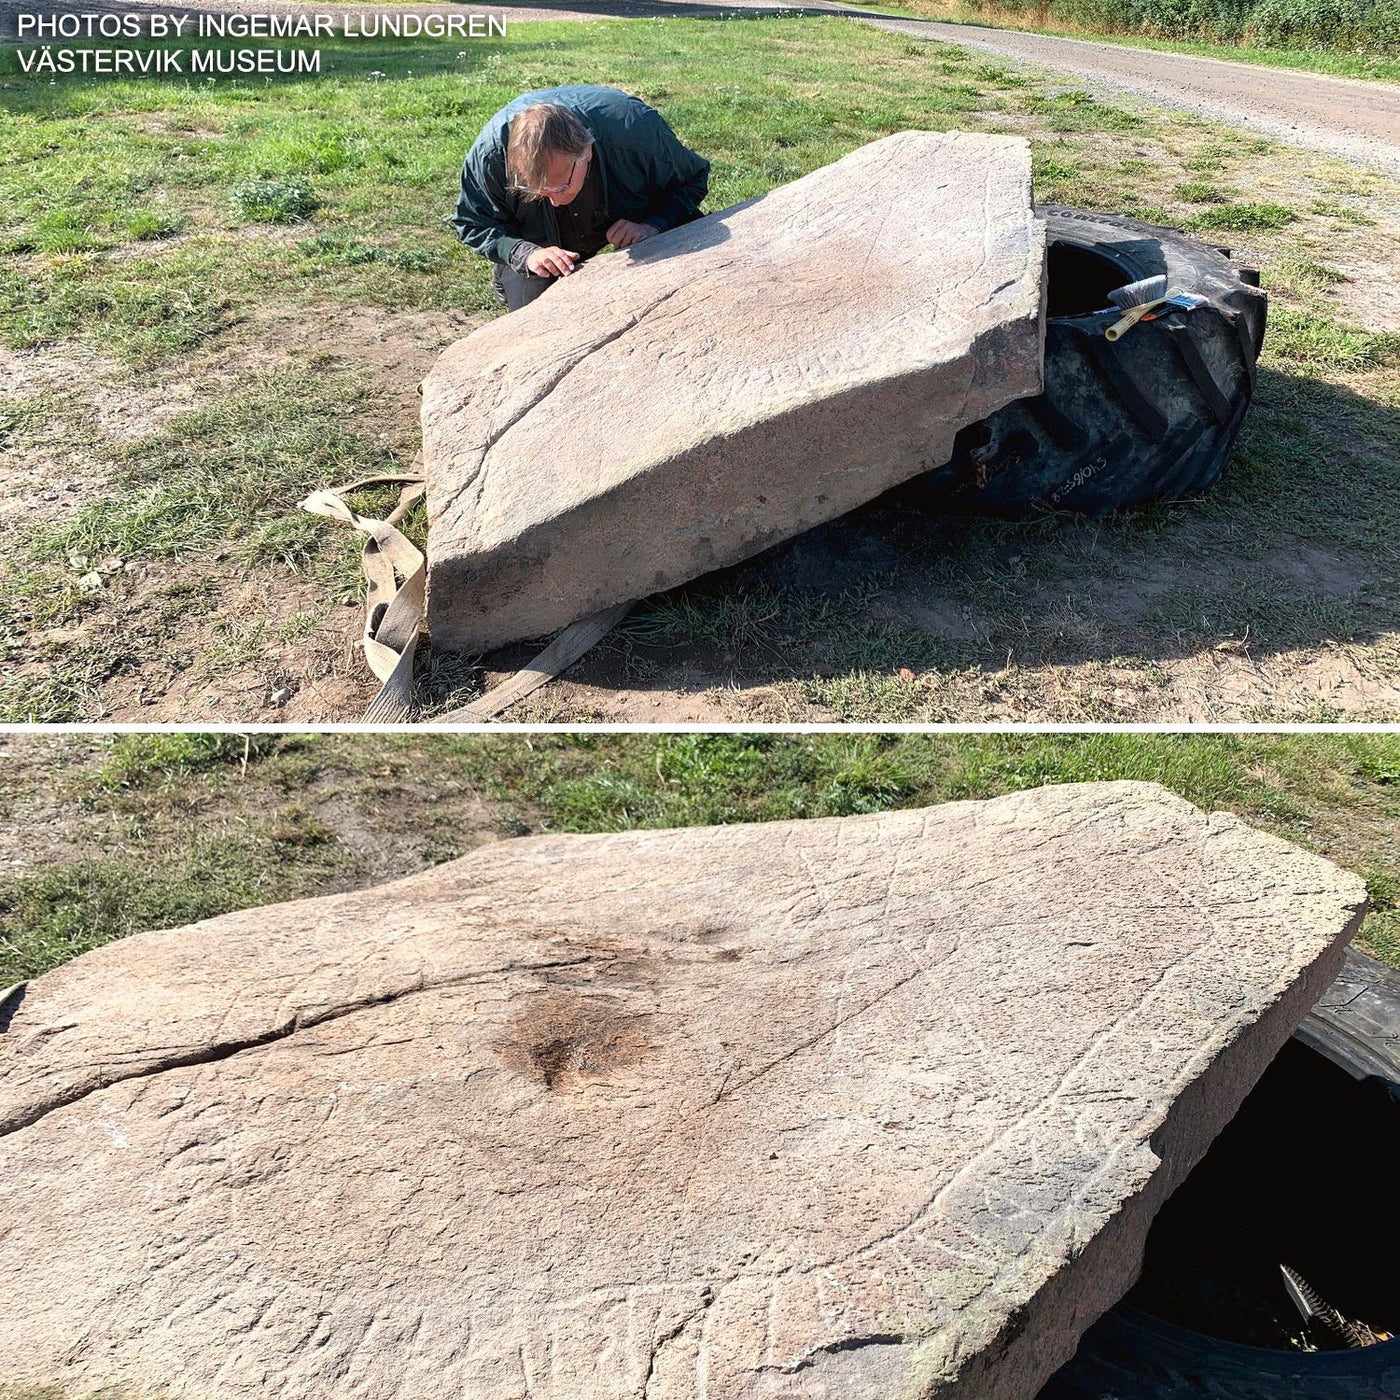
x=557, y=657
x=393, y=610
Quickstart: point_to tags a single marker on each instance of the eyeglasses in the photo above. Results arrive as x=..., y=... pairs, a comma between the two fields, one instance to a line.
x=544, y=191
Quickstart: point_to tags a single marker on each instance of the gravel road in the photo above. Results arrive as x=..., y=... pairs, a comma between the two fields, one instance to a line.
x=1354, y=118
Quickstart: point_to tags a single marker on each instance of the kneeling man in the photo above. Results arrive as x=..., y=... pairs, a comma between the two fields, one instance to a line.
x=559, y=174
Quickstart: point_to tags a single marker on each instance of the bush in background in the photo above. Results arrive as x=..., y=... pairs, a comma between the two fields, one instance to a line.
x=1366, y=26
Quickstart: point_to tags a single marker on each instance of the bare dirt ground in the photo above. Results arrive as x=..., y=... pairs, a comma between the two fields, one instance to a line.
x=279, y=653
x=42, y=826
x=1103, y=650
x=373, y=805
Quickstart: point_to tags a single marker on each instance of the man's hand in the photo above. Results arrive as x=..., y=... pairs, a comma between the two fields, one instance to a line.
x=551, y=262
x=624, y=233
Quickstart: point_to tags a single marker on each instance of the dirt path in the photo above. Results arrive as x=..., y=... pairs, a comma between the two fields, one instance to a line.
x=1348, y=117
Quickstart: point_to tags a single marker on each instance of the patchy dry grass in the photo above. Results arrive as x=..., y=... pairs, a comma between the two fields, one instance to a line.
x=178, y=375
x=102, y=837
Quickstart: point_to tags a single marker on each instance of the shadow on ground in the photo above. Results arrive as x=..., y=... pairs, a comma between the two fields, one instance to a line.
x=1290, y=554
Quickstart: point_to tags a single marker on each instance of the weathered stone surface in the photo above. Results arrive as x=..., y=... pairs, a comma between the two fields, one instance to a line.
x=686, y=404
x=869, y=1108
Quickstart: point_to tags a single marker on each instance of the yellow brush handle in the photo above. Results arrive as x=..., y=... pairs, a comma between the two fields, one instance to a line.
x=1133, y=315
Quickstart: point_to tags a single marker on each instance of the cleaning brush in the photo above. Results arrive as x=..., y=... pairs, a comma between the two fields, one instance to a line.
x=1319, y=1313
x=1136, y=300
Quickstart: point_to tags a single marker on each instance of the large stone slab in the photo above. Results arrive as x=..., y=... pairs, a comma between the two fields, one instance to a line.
x=869, y=1108
x=685, y=404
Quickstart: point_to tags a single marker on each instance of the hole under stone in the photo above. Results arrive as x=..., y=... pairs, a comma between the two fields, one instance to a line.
x=1296, y=1178
x=1078, y=280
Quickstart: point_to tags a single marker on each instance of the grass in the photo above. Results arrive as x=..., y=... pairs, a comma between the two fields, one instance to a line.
x=267, y=201
x=1199, y=192
x=130, y=764
x=1243, y=218
x=1300, y=275
x=212, y=491
x=372, y=160
x=152, y=831
x=1329, y=208
x=250, y=250
x=61, y=913
x=149, y=310
x=226, y=474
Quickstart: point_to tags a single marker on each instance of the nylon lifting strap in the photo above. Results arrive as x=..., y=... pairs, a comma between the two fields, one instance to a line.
x=394, y=610
x=556, y=658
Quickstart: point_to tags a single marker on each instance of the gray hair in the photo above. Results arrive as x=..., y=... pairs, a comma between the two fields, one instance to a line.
x=538, y=133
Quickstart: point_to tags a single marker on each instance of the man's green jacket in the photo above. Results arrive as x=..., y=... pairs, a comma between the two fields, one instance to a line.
x=648, y=176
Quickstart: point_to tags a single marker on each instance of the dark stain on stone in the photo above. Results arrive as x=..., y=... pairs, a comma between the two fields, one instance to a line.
x=565, y=1042
x=710, y=933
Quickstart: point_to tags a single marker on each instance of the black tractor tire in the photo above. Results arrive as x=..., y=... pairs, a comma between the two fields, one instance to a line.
x=1130, y=1354
x=1151, y=416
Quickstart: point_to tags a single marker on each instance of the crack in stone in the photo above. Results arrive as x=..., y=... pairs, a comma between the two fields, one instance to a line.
x=726, y=1092
x=633, y=320
x=707, y=1299
x=810, y=1358
x=299, y=1021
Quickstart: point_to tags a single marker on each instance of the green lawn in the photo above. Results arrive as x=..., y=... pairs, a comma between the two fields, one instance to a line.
x=115, y=835
x=216, y=296
x=338, y=185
